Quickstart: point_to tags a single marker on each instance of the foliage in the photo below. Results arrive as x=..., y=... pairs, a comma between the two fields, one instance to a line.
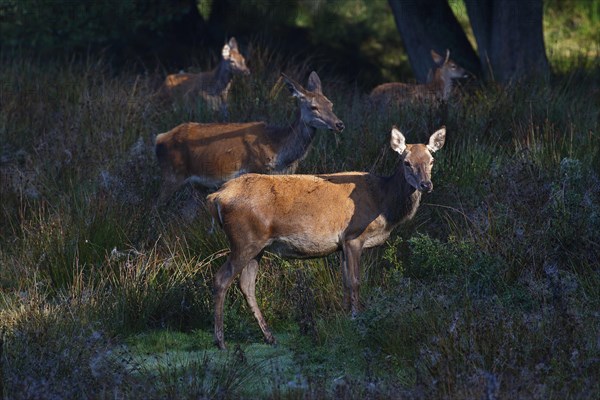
x=110, y=296
x=571, y=31
x=356, y=39
x=53, y=26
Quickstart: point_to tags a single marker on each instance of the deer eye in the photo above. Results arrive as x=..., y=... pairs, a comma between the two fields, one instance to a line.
x=314, y=108
x=432, y=160
x=407, y=163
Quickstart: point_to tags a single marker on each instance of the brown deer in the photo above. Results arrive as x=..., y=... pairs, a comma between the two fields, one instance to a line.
x=213, y=153
x=439, y=88
x=212, y=86
x=305, y=216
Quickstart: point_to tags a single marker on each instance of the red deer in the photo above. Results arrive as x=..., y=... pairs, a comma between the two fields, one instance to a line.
x=211, y=154
x=305, y=216
x=212, y=86
x=438, y=88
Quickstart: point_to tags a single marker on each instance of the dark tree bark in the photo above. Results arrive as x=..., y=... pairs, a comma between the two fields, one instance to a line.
x=430, y=24
x=509, y=36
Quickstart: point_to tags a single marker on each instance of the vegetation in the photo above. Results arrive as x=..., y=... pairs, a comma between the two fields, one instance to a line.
x=493, y=291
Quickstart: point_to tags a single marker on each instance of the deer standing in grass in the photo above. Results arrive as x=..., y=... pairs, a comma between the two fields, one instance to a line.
x=305, y=216
x=439, y=88
x=212, y=86
x=211, y=154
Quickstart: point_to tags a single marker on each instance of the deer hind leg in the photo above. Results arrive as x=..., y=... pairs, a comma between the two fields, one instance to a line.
x=248, y=287
x=235, y=264
x=223, y=278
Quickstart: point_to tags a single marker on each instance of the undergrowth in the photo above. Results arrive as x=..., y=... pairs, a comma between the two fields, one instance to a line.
x=490, y=292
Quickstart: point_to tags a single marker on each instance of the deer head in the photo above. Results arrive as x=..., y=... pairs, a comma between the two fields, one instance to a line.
x=235, y=60
x=417, y=159
x=448, y=68
x=315, y=109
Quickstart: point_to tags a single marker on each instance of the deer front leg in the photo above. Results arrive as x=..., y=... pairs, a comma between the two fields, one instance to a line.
x=169, y=185
x=223, y=107
x=352, y=250
x=346, y=280
x=248, y=287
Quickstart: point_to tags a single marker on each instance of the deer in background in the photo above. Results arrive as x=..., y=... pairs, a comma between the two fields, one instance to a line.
x=439, y=88
x=211, y=154
x=212, y=86
x=305, y=216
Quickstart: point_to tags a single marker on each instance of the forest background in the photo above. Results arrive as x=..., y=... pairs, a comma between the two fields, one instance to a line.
x=493, y=291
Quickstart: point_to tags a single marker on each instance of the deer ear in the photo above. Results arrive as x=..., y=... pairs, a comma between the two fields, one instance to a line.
x=436, y=141
x=436, y=57
x=233, y=43
x=314, y=83
x=397, y=141
x=226, y=52
x=294, y=87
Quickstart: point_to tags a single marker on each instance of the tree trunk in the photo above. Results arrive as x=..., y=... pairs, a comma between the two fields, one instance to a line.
x=509, y=36
x=430, y=24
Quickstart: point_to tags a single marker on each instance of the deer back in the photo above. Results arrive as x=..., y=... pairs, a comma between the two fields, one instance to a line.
x=312, y=215
x=438, y=88
x=213, y=86
x=215, y=152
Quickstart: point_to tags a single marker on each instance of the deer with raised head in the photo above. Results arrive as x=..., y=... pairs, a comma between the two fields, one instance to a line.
x=306, y=216
x=212, y=86
x=438, y=88
x=213, y=153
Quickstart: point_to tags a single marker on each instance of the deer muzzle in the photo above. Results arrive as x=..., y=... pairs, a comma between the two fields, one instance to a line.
x=426, y=186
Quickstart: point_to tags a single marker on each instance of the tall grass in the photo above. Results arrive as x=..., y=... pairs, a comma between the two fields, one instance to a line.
x=462, y=302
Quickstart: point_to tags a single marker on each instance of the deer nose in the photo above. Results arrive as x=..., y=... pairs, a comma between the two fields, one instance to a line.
x=427, y=186
x=340, y=126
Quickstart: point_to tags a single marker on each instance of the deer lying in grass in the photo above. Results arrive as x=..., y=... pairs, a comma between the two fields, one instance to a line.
x=212, y=86
x=439, y=88
x=211, y=154
x=304, y=216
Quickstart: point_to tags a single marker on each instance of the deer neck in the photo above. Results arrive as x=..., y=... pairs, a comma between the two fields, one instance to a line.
x=222, y=77
x=402, y=200
x=294, y=144
x=441, y=84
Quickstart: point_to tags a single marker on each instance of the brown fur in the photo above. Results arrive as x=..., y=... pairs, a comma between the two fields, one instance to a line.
x=303, y=216
x=212, y=86
x=439, y=88
x=215, y=153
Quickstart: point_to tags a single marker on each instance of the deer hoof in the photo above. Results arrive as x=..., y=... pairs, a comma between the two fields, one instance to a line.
x=271, y=340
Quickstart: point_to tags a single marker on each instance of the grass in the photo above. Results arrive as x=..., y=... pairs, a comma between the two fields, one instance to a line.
x=104, y=296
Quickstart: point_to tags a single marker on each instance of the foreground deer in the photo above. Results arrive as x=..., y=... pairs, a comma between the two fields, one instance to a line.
x=438, y=88
x=212, y=86
x=212, y=154
x=303, y=216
